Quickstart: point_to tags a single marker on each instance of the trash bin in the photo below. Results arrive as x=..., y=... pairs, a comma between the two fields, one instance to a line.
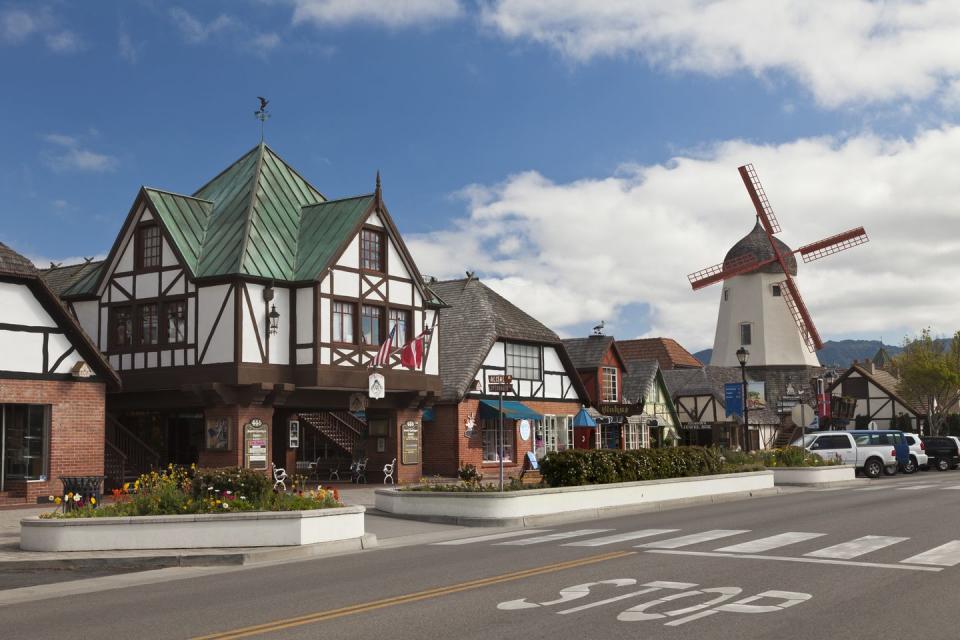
x=86, y=487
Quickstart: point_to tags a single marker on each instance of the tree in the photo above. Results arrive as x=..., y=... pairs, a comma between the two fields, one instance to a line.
x=930, y=376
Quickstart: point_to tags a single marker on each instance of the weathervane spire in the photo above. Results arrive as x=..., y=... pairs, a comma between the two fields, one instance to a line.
x=262, y=114
x=377, y=193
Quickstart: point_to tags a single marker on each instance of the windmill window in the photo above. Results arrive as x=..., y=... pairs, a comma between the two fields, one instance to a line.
x=371, y=250
x=148, y=246
x=776, y=291
x=726, y=294
x=746, y=333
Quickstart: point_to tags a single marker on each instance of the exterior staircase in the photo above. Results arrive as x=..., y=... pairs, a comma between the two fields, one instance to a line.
x=125, y=456
x=786, y=435
x=340, y=427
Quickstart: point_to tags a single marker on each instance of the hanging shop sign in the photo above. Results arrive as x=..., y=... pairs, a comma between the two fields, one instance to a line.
x=524, y=430
x=470, y=426
x=376, y=386
x=358, y=402
x=619, y=409
x=410, y=442
x=255, y=444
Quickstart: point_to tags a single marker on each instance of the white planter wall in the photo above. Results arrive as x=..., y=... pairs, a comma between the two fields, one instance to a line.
x=201, y=531
x=814, y=476
x=561, y=500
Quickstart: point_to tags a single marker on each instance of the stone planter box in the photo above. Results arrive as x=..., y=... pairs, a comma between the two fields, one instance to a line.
x=814, y=476
x=200, y=531
x=576, y=502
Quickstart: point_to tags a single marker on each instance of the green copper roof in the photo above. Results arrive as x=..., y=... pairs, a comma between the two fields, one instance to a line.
x=324, y=228
x=255, y=222
x=186, y=221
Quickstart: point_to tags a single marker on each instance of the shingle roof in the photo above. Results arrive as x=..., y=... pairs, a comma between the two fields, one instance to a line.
x=710, y=381
x=666, y=351
x=12, y=263
x=757, y=244
x=587, y=353
x=474, y=318
x=62, y=279
x=640, y=376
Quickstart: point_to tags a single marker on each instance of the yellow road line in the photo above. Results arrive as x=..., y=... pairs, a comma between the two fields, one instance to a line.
x=321, y=616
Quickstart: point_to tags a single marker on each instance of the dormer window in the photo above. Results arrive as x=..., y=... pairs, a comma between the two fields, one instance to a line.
x=148, y=247
x=608, y=385
x=371, y=250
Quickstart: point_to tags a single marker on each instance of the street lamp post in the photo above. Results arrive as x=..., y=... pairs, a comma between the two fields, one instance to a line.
x=742, y=356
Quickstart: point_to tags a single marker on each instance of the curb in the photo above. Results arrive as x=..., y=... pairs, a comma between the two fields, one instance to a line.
x=240, y=558
x=584, y=514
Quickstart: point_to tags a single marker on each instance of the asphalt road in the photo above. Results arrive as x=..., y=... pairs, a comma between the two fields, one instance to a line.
x=876, y=561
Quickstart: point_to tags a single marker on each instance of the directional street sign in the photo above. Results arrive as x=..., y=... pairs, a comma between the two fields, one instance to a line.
x=500, y=388
x=500, y=379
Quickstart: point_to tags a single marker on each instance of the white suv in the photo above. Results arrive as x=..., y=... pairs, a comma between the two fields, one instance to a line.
x=918, y=454
x=870, y=458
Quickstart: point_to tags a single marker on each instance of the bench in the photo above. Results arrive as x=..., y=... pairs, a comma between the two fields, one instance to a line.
x=331, y=467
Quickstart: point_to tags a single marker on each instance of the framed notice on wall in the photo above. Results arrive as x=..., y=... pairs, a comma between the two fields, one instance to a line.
x=217, y=434
x=255, y=444
x=410, y=442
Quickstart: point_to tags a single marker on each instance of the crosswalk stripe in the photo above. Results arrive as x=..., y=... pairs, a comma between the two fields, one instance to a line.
x=619, y=537
x=492, y=536
x=551, y=537
x=694, y=538
x=872, y=488
x=854, y=548
x=946, y=555
x=773, y=542
x=916, y=487
x=954, y=488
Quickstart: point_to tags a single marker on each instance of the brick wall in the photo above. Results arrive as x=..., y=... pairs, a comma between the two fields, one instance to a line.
x=76, y=430
x=447, y=448
x=239, y=417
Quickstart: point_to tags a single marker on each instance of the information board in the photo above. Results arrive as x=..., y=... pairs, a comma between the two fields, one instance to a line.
x=410, y=442
x=255, y=444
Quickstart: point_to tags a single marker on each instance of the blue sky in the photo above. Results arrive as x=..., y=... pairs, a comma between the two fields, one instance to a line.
x=478, y=115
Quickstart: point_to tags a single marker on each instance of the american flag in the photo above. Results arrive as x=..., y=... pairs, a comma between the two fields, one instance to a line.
x=383, y=355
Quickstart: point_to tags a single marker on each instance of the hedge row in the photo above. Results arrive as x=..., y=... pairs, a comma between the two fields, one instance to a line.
x=574, y=467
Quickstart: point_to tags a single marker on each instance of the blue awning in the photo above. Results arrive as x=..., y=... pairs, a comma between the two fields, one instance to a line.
x=584, y=419
x=512, y=410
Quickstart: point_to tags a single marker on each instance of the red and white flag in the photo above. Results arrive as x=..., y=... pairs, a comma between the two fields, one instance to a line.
x=383, y=355
x=412, y=355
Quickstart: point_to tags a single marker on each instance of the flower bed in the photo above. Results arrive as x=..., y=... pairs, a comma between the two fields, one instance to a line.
x=191, y=509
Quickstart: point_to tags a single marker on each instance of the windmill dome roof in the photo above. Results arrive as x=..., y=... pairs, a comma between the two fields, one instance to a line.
x=756, y=244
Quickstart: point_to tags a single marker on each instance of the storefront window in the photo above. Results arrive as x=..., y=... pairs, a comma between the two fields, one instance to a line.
x=490, y=428
x=25, y=430
x=608, y=435
x=555, y=433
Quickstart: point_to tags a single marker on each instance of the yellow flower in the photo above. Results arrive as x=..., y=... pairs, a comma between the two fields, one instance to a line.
x=126, y=486
x=93, y=501
x=57, y=500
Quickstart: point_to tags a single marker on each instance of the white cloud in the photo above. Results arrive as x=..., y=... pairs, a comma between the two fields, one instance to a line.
x=18, y=26
x=576, y=252
x=67, y=154
x=390, y=13
x=844, y=51
x=129, y=50
x=266, y=42
x=194, y=30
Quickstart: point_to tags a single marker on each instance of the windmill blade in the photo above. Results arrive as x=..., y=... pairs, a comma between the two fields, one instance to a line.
x=759, y=198
x=724, y=270
x=791, y=295
x=833, y=244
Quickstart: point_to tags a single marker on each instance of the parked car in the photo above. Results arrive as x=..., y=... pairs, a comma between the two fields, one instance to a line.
x=872, y=458
x=886, y=438
x=943, y=451
x=918, y=454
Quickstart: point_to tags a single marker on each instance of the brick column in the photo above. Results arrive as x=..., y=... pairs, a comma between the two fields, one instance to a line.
x=238, y=417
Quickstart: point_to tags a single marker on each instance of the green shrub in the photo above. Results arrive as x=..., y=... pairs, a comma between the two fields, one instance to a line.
x=603, y=466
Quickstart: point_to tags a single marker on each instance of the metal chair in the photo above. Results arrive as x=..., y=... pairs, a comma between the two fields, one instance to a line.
x=388, y=470
x=279, y=477
x=360, y=471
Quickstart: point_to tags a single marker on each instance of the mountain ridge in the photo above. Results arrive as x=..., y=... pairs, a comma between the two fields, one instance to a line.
x=835, y=353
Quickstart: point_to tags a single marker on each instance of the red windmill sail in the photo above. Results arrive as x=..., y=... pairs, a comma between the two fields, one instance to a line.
x=749, y=263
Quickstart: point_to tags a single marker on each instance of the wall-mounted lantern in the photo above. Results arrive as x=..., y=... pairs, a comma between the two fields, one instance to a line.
x=274, y=316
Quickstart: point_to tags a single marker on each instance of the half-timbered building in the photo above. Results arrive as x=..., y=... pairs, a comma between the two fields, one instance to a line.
x=877, y=399
x=243, y=318
x=53, y=383
x=484, y=335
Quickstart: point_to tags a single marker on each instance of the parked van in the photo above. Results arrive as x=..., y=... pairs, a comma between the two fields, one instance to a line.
x=867, y=450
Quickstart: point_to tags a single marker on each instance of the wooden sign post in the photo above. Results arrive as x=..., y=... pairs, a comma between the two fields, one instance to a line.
x=500, y=384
